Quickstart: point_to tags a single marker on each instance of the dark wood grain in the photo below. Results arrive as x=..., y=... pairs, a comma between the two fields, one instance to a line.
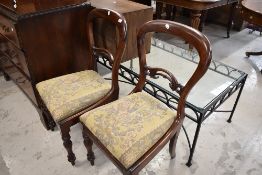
x=61, y=47
x=24, y=7
x=44, y=43
x=135, y=14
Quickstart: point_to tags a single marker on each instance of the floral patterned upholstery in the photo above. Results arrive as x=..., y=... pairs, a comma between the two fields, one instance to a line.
x=130, y=126
x=68, y=94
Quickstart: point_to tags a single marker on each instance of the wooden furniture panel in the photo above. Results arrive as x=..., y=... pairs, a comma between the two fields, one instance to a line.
x=136, y=14
x=42, y=39
x=12, y=50
x=65, y=52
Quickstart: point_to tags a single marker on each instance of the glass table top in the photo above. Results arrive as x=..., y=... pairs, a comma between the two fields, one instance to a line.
x=182, y=63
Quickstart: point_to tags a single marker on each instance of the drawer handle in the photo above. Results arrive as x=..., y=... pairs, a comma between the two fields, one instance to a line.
x=5, y=28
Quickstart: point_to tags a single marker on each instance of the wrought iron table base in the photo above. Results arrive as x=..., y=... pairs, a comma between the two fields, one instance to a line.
x=170, y=99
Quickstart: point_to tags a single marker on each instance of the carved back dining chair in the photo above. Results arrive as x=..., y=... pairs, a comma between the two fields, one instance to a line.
x=133, y=129
x=65, y=98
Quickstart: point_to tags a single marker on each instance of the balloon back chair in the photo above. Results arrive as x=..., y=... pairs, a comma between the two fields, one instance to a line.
x=65, y=98
x=133, y=129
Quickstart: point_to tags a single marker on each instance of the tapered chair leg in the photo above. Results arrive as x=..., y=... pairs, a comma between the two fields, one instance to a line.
x=51, y=124
x=50, y=121
x=172, y=145
x=68, y=143
x=88, y=144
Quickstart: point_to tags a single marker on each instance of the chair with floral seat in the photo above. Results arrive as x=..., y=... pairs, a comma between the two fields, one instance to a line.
x=63, y=99
x=133, y=129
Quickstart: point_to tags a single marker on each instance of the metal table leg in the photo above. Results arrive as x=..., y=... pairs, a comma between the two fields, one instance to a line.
x=237, y=99
x=192, y=149
x=230, y=20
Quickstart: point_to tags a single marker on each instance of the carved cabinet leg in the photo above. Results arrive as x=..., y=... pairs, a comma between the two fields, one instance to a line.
x=88, y=144
x=195, y=22
x=67, y=143
x=172, y=145
x=195, y=19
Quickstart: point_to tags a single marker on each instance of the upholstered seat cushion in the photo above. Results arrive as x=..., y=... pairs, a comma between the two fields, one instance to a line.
x=130, y=126
x=68, y=94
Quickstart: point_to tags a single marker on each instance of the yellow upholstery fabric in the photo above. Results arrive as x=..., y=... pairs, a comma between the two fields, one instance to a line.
x=68, y=94
x=130, y=126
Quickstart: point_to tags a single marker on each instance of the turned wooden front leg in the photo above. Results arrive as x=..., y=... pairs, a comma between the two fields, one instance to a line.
x=65, y=132
x=88, y=144
x=195, y=19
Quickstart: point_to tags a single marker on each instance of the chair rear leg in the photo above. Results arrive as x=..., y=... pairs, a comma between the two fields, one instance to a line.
x=50, y=121
x=65, y=129
x=47, y=117
x=172, y=145
x=88, y=144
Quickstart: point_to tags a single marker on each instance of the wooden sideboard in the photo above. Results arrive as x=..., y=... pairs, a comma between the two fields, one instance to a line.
x=41, y=40
x=135, y=14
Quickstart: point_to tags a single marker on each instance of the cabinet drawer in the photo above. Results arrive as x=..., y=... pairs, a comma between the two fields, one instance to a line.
x=9, y=49
x=20, y=80
x=11, y=57
x=5, y=57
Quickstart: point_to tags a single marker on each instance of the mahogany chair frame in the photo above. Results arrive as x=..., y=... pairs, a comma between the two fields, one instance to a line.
x=202, y=45
x=119, y=21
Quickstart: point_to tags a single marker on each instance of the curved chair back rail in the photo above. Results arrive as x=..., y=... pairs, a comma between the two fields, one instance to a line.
x=193, y=38
x=118, y=20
